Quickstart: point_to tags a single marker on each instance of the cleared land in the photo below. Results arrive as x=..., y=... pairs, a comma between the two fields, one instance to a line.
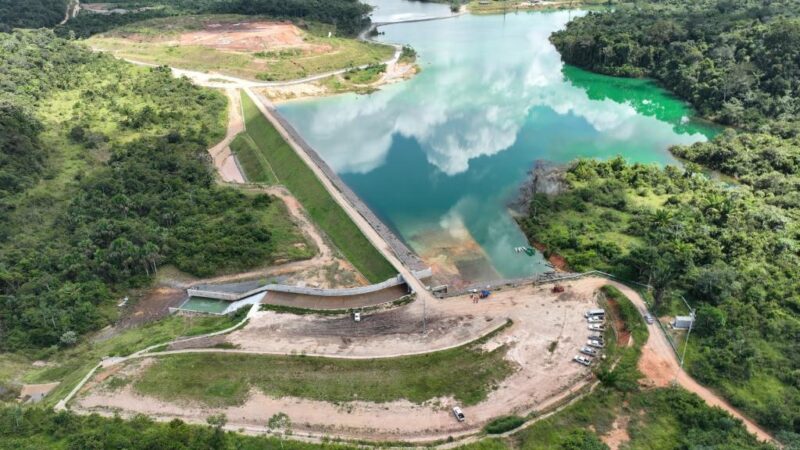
x=276, y=157
x=254, y=48
x=513, y=372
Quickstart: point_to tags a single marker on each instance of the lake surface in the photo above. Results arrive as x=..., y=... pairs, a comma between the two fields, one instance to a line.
x=439, y=157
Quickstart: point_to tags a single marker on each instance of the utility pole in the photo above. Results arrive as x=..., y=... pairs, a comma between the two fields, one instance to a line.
x=686, y=343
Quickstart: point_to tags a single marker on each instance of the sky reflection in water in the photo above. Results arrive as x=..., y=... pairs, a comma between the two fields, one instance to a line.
x=438, y=157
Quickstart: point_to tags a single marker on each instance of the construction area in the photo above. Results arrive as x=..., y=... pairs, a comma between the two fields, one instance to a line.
x=539, y=330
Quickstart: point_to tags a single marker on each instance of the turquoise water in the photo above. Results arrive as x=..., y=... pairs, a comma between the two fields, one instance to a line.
x=439, y=157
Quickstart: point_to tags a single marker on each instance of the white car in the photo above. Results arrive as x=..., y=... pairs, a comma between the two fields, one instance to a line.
x=596, y=327
x=580, y=359
x=357, y=316
x=594, y=343
x=459, y=414
x=595, y=320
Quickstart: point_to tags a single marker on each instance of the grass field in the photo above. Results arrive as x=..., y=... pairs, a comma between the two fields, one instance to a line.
x=292, y=172
x=71, y=365
x=252, y=161
x=226, y=379
x=154, y=41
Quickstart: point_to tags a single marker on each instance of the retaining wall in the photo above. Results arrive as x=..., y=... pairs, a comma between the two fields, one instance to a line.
x=318, y=292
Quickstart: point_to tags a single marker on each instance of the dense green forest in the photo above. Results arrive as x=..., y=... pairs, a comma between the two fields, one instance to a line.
x=31, y=13
x=349, y=16
x=736, y=61
x=725, y=248
x=731, y=248
x=104, y=178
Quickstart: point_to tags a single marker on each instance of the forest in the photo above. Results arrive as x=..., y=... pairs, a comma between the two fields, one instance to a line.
x=723, y=230
x=31, y=13
x=349, y=16
x=105, y=178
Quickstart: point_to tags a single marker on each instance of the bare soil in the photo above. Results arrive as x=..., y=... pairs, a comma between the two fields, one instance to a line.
x=244, y=36
x=539, y=318
x=559, y=262
x=618, y=434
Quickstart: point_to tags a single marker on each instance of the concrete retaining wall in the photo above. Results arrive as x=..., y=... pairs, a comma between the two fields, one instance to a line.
x=360, y=290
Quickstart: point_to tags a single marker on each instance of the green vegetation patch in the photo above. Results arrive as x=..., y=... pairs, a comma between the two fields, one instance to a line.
x=503, y=424
x=252, y=161
x=71, y=365
x=466, y=373
x=303, y=183
x=367, y=75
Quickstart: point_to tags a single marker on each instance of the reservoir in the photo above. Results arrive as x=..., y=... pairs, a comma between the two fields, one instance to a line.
x=439, y=157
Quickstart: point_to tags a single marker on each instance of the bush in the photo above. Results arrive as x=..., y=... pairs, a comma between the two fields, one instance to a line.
x=503, y=424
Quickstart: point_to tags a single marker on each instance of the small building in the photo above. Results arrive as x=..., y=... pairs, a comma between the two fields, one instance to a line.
x=683, y=322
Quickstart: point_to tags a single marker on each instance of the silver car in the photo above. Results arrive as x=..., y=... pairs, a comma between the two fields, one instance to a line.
x=594, y=343
x=649, y=319
x=580, y=359
x=586, y=350
x=459, y=414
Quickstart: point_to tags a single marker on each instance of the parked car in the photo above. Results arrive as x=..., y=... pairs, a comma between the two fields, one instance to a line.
x=357, y=316
x=580, y=359
x=594, y=313
x=595, y=319
x=594, y=343
x=596, y=327
x=649, y=319
x=588, y=351
x=459, y=414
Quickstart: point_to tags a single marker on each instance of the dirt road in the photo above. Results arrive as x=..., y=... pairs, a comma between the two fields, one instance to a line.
x=224, y=161
x=660, y=364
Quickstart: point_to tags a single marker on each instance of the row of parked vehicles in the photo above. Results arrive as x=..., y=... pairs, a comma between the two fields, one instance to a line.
x=595, y=343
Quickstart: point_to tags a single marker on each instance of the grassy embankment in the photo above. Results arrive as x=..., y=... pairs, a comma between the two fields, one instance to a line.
x=227, y=379
x=276, y=159
x=150, y=41
x=69, y=366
